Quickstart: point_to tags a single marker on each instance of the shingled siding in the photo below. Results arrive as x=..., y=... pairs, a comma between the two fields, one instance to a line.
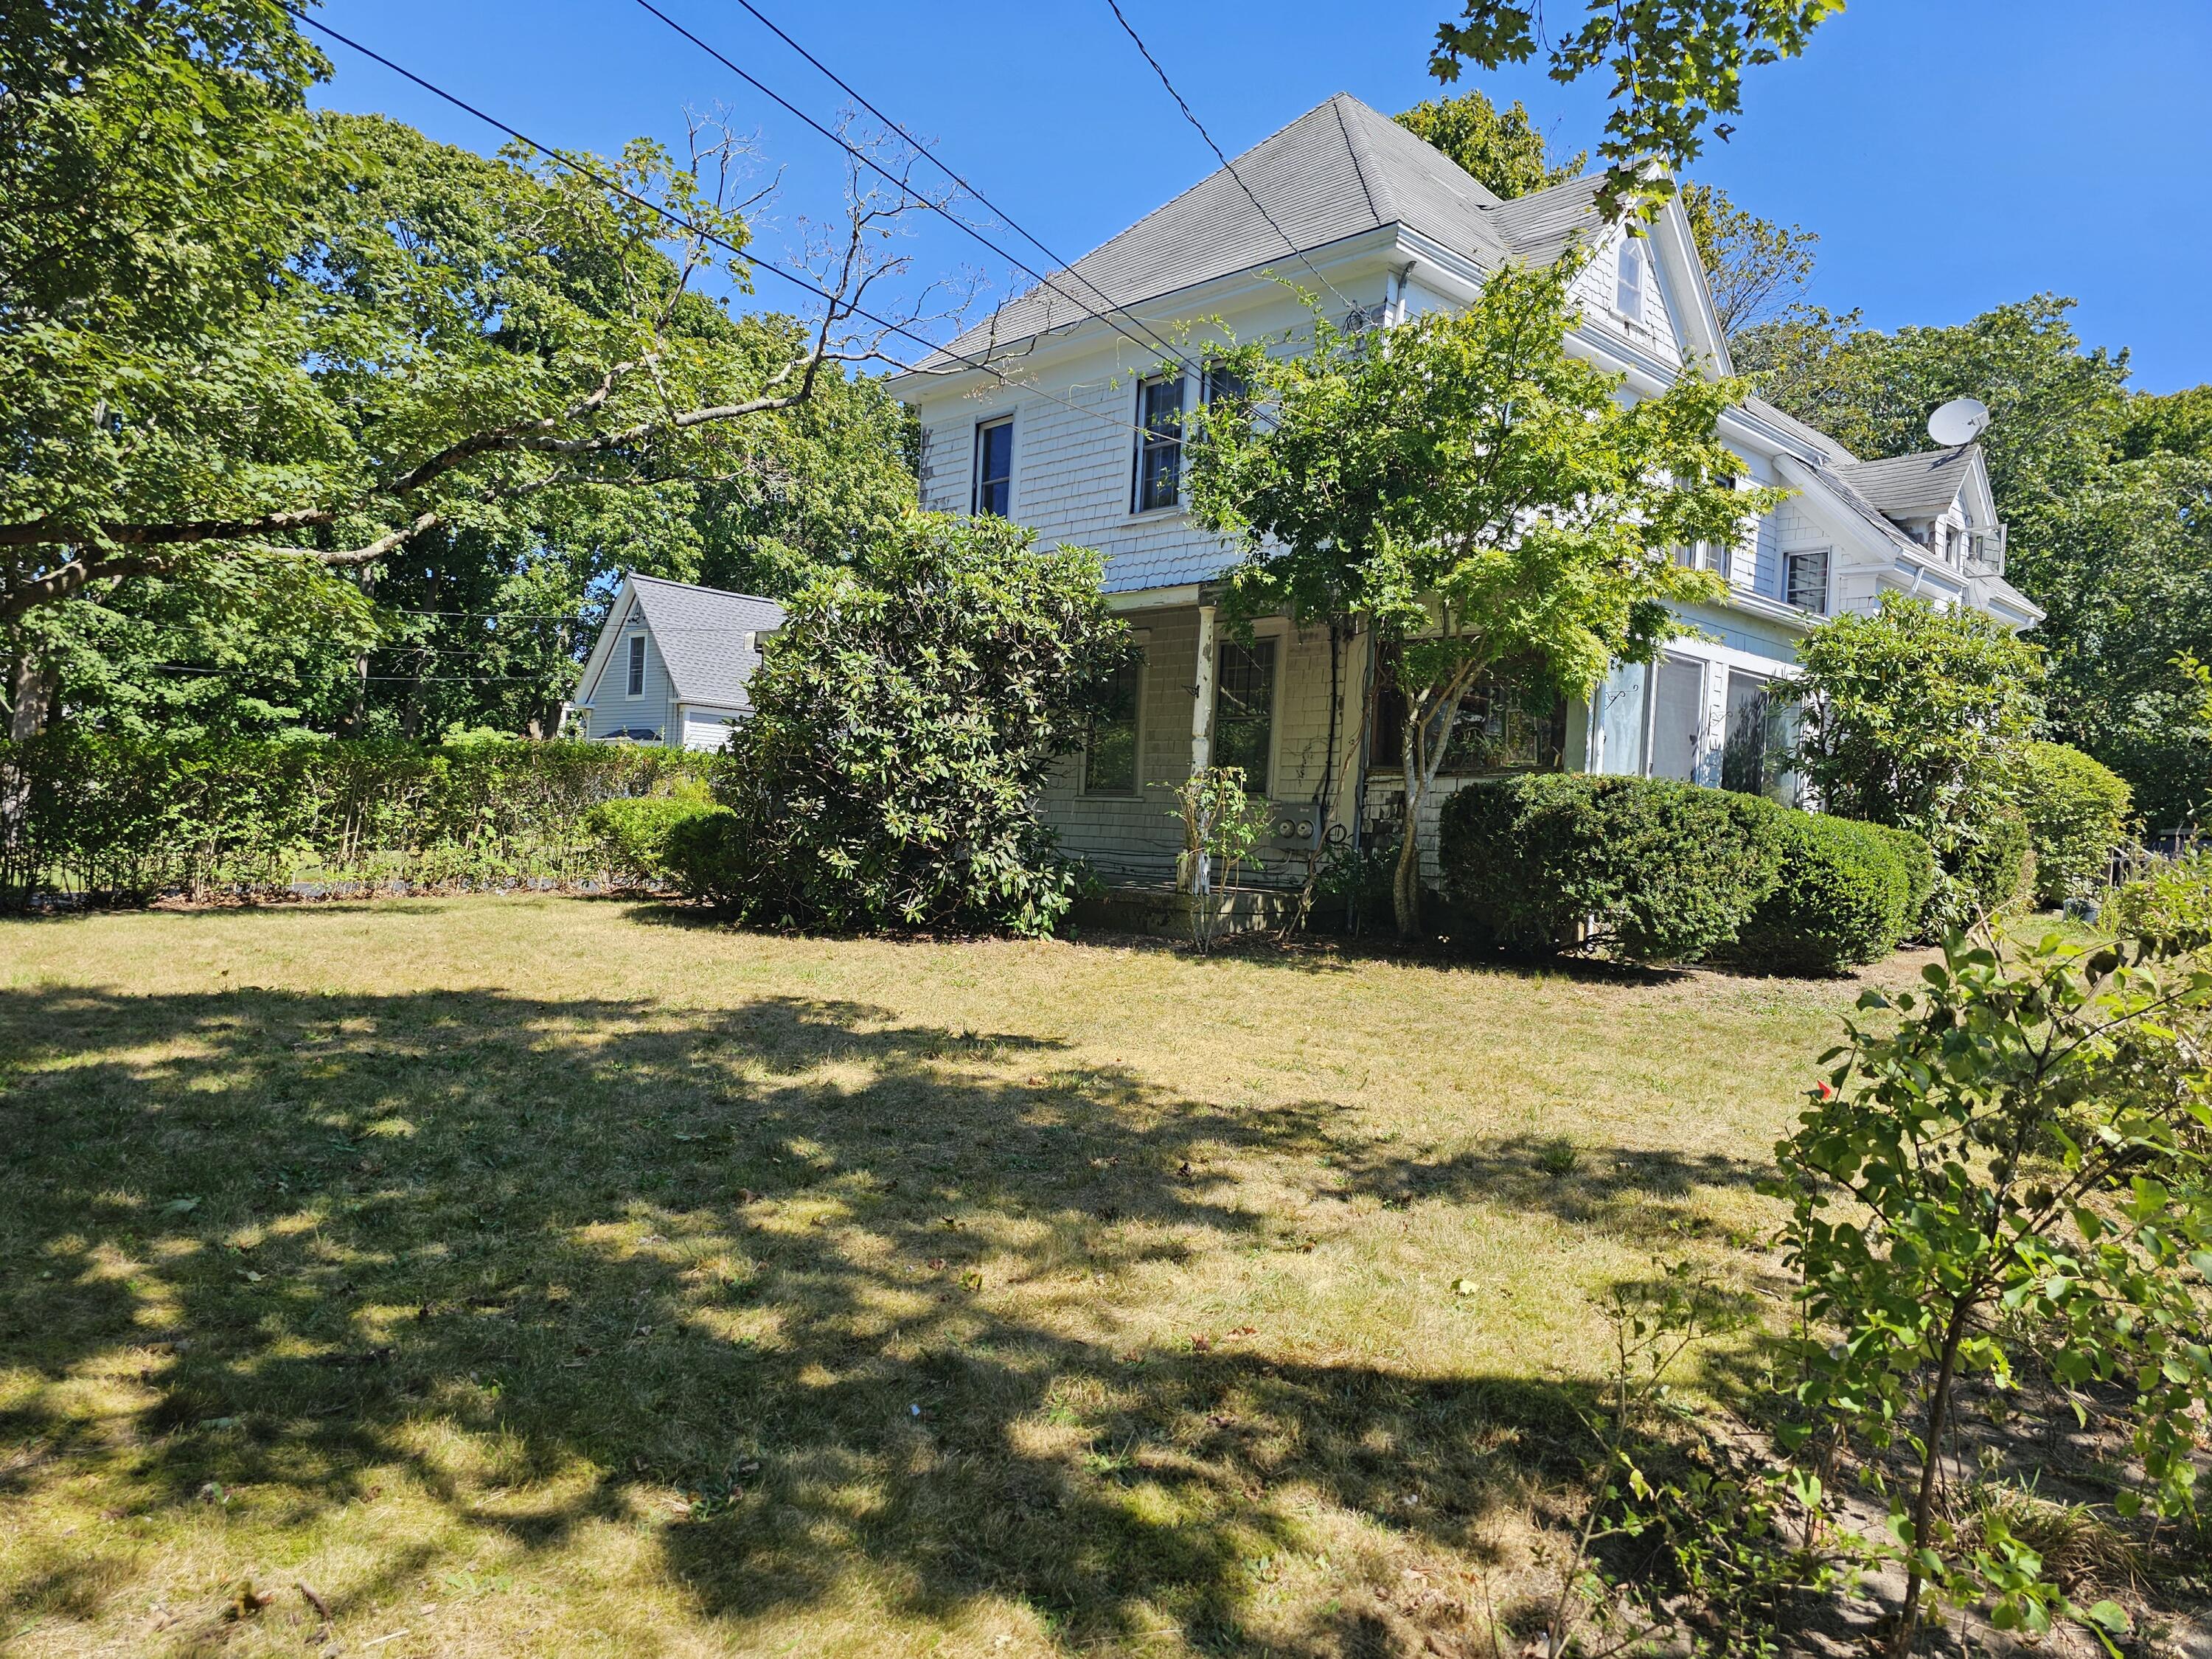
x=1138, y=837
x=612, y=711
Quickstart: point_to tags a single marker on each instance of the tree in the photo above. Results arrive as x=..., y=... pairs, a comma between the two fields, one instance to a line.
x=1474, y=497
x=1756, y=268
x=2007, y=1163
x=1674, y=67
x=1913, y=717
x=905, y=719
x=1501, y=148
x=344, y=338
x=2105, y=491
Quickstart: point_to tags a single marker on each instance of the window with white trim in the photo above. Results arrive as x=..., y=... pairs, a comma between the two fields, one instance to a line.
x=994, y=468
x=636, y=665
x=1628, y=281
x=1806, y=581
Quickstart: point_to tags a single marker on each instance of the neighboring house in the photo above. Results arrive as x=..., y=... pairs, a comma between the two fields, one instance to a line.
x=672, y=664
x=1387, y=225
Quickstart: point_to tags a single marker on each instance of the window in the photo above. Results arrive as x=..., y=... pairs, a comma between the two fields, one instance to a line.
x=1628, y=286
x=1807, y=580
x=1244, y=709
x=1755, y=747
x=1506, y=723
x=994, y=468
x=1109, y=757
x=1159, y=446
x=637, y=665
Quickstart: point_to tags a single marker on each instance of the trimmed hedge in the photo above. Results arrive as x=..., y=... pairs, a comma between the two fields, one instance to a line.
x=1843, y=896
x=127, y=820
x=2077, y=808
x=632, y=833
x=1650, y=870
x=1994, y=860
x=1647, y=868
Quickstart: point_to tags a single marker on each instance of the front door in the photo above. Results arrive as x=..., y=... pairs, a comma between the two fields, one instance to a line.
x=1678, y=719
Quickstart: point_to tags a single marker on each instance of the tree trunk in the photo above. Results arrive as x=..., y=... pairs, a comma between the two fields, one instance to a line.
x=1406, y=878
x=31, y=690
x=1923, y=1506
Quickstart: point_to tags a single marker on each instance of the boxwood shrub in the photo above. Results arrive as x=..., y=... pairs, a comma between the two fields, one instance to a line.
x=1843, y=896
x=632, y=832
x=1646, y=868
x=1649, y=870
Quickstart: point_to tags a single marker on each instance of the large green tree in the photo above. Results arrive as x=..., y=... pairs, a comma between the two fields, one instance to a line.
x=248, y=347
x=1472, y=496
x=1675, y=68
x=1502, y=148
x=2106, y=492
x=1756, y=267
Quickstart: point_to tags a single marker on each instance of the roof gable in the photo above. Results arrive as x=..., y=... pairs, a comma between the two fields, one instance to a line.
x=1921, y=485
x=703, y=636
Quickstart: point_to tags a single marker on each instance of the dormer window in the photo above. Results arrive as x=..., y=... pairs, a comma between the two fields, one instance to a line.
x=1628, y=287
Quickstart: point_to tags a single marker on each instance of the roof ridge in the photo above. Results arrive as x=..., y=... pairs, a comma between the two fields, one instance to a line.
x=1360, y=169
x=701, y=587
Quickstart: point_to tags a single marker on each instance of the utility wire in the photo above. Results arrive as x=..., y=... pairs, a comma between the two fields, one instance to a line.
x=1188, y=115
x=752, y=261
x=907, y=190
x=1065, y=267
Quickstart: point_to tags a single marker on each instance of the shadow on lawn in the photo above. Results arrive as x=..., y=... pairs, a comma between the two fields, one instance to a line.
x=828, y=1275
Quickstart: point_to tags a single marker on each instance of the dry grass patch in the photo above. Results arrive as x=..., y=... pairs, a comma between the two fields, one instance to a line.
x=548, y=1276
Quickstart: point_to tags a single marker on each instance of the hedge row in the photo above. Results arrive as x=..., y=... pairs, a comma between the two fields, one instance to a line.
x=128, y=820
x=1655, y=870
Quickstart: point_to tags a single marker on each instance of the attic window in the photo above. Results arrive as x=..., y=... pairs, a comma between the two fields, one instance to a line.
x=1159, y=443
x=1628, y=287
x=637, y=665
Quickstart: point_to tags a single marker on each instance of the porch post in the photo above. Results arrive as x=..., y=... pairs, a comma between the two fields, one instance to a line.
x=1202, y=691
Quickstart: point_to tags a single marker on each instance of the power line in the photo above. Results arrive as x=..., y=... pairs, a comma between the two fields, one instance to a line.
x=1230, y=165
x=905, y=189
x=752, y=262
x=1066, y=267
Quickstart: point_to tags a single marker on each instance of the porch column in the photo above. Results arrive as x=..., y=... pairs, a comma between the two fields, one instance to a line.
x=1202, y=691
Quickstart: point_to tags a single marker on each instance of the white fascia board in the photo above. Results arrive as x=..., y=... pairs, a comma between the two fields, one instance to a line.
x=588, y=683
x=1677, y=248
x=1154, y=599
x=1160, y=311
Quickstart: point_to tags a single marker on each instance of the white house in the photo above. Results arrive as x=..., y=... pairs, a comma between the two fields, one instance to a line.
x=671, y=665
x=1082, y=447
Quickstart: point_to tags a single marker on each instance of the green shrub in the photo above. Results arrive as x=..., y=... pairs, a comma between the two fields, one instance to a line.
x=1992, y=859
x=905, y=721
x=2170, y=907
x=128, y=820
x=1843, y=896
x=2076, y=810
x=631, y=833
x=1649, y=869
x=1924, y=877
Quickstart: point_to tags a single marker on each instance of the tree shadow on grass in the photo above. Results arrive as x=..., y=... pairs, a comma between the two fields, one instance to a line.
x=815, y=1284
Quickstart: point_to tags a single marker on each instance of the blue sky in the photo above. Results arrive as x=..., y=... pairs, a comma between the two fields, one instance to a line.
x=1952, y=153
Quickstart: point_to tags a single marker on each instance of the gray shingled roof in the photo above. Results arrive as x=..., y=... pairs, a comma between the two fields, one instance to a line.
x=700, y=633
x=1822, y=449
x=1913, y=486
x=1338, y=170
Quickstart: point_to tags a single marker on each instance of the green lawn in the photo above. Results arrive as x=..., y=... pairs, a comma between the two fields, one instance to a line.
x=543, y=1275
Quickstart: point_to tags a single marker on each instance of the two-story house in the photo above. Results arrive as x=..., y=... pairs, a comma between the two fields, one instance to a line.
x=1076, y=434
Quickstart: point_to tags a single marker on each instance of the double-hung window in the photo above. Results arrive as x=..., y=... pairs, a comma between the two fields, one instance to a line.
x=1628, y=283
x=1244, y=710
x=636, y=684
x=1110, y=758
x=1159, y=442
x=1807, y=576
x=994, y=468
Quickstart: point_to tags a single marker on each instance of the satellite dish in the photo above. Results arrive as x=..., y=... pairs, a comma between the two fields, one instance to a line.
x=1959, y=422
